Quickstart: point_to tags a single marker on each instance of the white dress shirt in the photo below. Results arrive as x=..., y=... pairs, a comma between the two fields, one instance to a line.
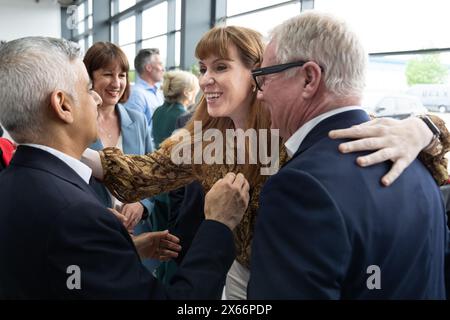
x=80, y=168
x=294, y=142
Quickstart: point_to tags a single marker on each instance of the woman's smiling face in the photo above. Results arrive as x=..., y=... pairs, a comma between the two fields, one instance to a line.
x=227, y=85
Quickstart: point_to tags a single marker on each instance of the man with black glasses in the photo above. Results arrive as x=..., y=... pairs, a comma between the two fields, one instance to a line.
x=325, y=229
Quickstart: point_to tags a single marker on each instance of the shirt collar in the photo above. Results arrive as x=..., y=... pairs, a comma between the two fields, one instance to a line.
x=80, y=168
x=297, y=138
x=144, y=84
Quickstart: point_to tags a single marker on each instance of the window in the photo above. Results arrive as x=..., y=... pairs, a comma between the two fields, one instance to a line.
x=84, y=25
x=125, y=4
x=266, y=19
x=381, y=23
x=148, y=25
x=154, y=21
x=130, y=52
x=127, y=31
x=238, y=6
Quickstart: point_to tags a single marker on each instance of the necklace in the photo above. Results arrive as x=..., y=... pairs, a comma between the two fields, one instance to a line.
x=105, y=133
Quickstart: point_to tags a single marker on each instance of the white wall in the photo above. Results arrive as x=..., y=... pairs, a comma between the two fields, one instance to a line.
x=21, y=18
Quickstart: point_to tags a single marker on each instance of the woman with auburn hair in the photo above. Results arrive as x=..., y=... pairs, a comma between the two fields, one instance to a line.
x=226, y=57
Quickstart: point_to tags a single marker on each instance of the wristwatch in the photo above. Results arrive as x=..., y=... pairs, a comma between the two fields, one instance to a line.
x=435, y=146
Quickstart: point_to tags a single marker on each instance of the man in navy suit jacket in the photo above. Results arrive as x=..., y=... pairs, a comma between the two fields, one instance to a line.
x=326, y=229
x=57, y=241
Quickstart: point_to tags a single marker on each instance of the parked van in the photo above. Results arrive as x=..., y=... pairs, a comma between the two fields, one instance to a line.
x=435, y=97
x=399, y=106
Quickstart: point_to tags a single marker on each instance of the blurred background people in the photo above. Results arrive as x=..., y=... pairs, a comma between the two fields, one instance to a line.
x=180, y=89
x=146, y=95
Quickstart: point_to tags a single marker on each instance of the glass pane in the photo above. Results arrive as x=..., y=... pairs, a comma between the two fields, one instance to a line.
x=80, y=12
x=82, y=45
x=177, y=49
x=90, y=7
x=113, y=29
x=264, y=21
x=416, y=83
x=125, y=4
x=90, y=23
x=81, y=27
x=130, y=52
x=381, y=23
x=127, y=30
x=90, y=40
x=154, y=20
x=160, y=43
x=178, y=15
x=239, y=6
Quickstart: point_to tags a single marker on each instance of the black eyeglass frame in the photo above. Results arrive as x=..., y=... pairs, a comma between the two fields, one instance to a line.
x=276, y=69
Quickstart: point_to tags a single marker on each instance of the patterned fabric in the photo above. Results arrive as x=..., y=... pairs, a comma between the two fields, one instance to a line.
x=437, y=164
x=131, y=178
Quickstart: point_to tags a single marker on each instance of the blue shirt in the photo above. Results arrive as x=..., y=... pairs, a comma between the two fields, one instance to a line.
x=145, y=99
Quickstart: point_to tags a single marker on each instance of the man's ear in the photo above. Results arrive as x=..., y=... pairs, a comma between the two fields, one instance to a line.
x=62, y=106
x=148, y=67
x=312, y=75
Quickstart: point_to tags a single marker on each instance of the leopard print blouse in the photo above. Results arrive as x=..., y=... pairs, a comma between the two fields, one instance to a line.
x=131, y=178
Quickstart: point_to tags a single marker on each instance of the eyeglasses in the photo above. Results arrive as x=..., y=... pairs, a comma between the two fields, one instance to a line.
x=258, y=74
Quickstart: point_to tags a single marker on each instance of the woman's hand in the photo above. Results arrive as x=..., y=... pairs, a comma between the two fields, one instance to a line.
x=133, y=212
x=157, y=245
x=397, y=140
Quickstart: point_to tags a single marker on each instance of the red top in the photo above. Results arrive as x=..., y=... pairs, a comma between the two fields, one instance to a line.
x=8, y=150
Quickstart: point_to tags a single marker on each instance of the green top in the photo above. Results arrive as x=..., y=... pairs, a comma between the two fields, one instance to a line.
x=164, y=119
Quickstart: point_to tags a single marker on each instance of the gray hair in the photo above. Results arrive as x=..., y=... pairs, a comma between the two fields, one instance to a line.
x=143, y=58
x=328, y=41
x=175, y=82
x=31, y=69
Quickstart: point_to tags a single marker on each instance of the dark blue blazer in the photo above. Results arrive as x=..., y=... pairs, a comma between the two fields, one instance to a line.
x=324, y=222
x=50, y=219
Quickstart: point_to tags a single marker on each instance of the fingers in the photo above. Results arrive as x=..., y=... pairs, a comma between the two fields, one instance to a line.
x=240, y=181
x=396, y=170
x=172, y=238
x=166, y=255
x=229, y=177
x=168, y=245
x=376, y=157
x=362, y=145
x=374, y=128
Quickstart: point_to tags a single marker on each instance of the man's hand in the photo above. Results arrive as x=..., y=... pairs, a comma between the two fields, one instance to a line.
x=157, y=245
x=227, y=200
x=133, y=212
x=397, y=140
